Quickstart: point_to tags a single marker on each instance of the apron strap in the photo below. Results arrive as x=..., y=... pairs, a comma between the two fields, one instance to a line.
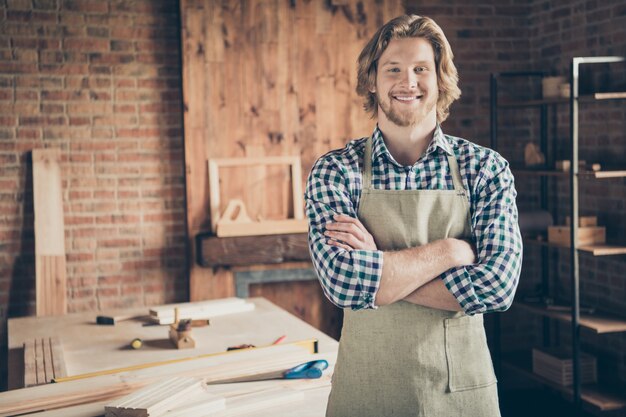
x=367, y=165
x=456, y=174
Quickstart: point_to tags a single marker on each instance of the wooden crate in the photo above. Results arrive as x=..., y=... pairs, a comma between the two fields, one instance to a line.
x=560, y=235
x=584, y=221
x=555, y=364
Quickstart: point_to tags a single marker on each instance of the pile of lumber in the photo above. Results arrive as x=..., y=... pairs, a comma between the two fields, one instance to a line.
x=102, y=388
x=200, y=310
x=178, y=394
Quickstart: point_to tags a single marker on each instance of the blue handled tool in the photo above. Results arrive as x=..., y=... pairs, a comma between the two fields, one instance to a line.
x=308, y=370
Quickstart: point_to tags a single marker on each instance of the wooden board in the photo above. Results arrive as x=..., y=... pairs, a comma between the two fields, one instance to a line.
x=51, y=286
x=267, y=78
x=560, y=235
x=249, y=250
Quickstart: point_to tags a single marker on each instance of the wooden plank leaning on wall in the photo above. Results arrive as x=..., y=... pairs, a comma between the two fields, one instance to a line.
x=267, y=78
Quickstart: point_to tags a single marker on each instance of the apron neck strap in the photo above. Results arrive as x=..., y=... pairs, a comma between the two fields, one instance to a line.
x=367, y=168
x=454, y=171
x=367, y=164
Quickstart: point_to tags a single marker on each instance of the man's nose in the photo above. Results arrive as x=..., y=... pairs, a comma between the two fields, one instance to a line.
x=409, y=78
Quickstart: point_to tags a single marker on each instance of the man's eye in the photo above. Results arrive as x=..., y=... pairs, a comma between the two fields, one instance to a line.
x=420, y=69
x=394, y=70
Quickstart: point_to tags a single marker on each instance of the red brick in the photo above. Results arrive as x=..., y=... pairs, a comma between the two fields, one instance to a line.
x=91, y=45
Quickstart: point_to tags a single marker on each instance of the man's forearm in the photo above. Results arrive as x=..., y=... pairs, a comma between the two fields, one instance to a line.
x=434, y=294
x=407, y=270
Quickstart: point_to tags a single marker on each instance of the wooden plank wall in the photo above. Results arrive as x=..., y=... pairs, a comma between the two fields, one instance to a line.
x=265, y=78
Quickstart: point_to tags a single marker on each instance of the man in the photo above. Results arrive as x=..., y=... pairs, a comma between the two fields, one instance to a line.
x=414, y=233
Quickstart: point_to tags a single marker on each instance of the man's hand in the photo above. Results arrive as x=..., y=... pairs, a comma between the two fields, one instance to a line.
x=349, y=233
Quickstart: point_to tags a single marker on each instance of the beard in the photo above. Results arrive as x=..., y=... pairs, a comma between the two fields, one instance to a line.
x=406, y=117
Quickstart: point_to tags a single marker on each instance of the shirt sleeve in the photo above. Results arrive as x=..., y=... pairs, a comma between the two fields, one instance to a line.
x=350, y=279
x=490, y=284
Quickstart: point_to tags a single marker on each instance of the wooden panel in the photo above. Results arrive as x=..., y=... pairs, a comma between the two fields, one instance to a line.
x=306, y=301
x=267, y=78
x=51, y=291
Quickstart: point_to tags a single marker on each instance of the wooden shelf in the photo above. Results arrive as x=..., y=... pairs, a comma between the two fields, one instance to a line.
x=251, y=250
x=605, y=174
x=595, y=250
x=610, y=96
x=593, y=396
x=582, y=174
x=533, y=103
x=597, y=322
x=560, y=100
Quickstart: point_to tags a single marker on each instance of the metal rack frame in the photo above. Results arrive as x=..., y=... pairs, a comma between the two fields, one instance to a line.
x=574, y=175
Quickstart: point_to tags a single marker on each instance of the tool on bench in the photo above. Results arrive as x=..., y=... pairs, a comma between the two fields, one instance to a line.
x=112, y=320
x=308, y=370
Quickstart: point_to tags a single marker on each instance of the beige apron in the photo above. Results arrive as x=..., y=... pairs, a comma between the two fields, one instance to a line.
x=404, y=359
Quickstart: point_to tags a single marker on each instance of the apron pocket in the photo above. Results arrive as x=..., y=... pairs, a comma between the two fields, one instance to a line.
x=467, y=354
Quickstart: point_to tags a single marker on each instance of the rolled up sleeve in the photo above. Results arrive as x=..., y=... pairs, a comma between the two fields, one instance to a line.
x=490, y=284
x=350, y=279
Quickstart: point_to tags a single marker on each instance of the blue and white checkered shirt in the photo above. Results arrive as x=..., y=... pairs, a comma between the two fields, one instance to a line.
x=350, y=279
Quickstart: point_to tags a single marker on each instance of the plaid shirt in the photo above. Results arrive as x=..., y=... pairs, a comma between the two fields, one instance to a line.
x=350, y=279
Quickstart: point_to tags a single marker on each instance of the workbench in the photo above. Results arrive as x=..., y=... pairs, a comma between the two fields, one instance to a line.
x=89, y=347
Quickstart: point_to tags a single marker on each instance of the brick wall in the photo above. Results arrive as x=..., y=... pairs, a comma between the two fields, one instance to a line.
x=101, y=80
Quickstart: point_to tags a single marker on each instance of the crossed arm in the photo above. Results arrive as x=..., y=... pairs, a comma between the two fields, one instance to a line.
x=399, y=280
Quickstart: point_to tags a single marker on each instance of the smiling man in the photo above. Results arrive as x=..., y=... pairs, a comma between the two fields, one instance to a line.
x=414, y=234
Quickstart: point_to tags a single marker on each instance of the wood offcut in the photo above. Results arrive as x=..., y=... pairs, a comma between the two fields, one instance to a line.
x=50, y=268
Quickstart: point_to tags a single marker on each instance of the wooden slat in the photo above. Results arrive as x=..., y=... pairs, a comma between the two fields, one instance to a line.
x=58, y=358
x=39, y=361
x=51, y=291
x=30, y=364
x=249, y=250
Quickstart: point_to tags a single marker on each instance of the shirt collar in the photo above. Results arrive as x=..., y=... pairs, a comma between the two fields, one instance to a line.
x=379, y=148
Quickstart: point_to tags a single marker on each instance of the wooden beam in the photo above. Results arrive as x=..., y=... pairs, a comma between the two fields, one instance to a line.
x=250, y=250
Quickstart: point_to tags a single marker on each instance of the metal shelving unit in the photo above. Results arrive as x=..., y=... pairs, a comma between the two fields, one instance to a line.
x=583, y=397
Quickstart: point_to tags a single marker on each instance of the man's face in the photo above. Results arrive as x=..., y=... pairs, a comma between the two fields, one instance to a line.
x=406, y=82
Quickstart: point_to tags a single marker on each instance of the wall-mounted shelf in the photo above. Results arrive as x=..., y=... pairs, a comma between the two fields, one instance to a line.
x=598, y=323
x=565, y=174
x=251, y=250
x=560, y=100
x=595, y=250
x=594, y=397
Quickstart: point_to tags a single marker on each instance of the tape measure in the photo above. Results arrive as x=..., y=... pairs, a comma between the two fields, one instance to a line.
x=136, y=343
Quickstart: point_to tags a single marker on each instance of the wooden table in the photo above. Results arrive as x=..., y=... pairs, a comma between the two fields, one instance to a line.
x=89, y=347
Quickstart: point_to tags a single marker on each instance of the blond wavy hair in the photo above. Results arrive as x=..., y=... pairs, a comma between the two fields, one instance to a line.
x=409, y=26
